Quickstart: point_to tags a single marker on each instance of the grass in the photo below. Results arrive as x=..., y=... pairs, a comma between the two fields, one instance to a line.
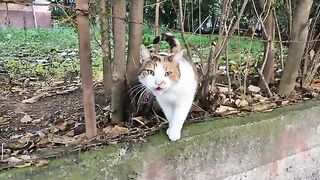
x=46, y=53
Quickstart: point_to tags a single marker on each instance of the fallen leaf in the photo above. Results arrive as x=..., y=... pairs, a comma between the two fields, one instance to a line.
x=20, y=143
x=41, y=163
x=4, y=120
x=260, y=98
x=35, y=98
x=66, y=140
x=61, y=126
x=116, y=130
x=219, y=98
x=57, y=82
x=241, y=103
x=5, y=151
x=263, y=106
x=26, y=119
x=16, y=89
x=254, y=89
x=283, y=103
x=36, y=121
x=12, y=160
x=23, y=165
x=225, y=110
x=26, y=82
x=69, y=90
x=25, y=157
x=224, y=89
x=15, y=136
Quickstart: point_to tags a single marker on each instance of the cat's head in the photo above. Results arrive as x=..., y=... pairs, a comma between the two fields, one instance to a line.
x=159, y=73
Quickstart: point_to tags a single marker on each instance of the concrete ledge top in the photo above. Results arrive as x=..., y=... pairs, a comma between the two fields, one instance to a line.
x=260, y=145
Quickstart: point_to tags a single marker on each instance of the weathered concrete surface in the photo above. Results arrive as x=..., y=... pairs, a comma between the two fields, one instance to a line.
x=283, y=144
x=303, y=165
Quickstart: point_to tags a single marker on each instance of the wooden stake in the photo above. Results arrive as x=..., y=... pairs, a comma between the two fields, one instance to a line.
x=156, y=22
x=85, y=67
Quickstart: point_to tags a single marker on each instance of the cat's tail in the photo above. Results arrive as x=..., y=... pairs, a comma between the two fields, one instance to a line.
x=171, y=40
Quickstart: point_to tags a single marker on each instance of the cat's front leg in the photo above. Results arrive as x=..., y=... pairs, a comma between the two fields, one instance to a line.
x=167, y=109
x=179, y=115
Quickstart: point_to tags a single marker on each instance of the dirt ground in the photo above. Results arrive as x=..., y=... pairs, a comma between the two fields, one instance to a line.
x=44, y=112
x=39, y=122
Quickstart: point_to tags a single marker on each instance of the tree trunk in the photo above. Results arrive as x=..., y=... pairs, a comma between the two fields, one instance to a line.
x=199, y=13
x=289, y=13
x=298, y=39
x=269, y=52
x=105, y=42
x=85, y=67
x=192, y=17
x=118, y=75
x=135, y=40
x=156, y=23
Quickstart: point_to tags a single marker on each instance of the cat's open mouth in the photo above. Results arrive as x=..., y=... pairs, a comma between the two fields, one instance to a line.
x=158, y=89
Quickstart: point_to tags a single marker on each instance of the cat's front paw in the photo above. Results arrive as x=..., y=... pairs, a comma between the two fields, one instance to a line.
x=173, y=135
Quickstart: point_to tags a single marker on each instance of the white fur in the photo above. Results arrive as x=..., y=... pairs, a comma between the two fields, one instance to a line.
x=175, y=98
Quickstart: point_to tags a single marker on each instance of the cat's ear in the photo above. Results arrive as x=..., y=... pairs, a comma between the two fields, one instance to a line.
x=144, y=54
x=177, y=57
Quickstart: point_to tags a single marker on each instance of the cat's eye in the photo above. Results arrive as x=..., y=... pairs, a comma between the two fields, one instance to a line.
x=168, y=73
x=148, y=71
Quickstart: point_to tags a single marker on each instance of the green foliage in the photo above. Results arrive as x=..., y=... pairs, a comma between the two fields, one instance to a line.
x=42, y=53
x=45, y=53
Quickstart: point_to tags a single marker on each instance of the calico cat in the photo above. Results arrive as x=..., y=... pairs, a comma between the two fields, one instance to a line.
x=172, y=79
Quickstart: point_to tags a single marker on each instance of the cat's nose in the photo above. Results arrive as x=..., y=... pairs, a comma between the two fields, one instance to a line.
x=159, y=83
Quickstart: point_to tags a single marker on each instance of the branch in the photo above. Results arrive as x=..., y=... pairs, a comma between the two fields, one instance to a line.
x=182, y=29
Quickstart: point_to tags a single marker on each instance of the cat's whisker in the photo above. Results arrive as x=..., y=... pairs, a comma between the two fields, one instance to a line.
x=133, y=87
x=138, y=92
x=141, y=95
x=135, y=90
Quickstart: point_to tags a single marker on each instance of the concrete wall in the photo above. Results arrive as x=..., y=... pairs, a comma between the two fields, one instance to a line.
x=282, y=144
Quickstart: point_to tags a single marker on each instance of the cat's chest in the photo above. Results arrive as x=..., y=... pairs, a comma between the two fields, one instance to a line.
x=168, y=97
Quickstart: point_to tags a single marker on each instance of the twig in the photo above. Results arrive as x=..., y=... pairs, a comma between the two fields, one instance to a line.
x=289, y=8
x=261, y=70
x=155, y=4
x=228, y=73
x=198, y=107
x=182, y=29
x=194, y=32
x=6, y=19
x=233, y=28
x=280, y=39
x=202, y=58
x=2, y=153
x=157, y=116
